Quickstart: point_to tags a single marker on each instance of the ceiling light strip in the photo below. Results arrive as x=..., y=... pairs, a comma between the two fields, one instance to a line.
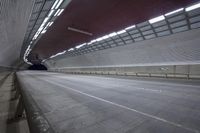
x=190, y=8
x=60, y=12
x=54, y=5
x=157, y=19
x=50, y=13
x=58, y=4
x=57, y=12
x=42, y=29
x=79, y=46
x=175, y=11
x=130, y=27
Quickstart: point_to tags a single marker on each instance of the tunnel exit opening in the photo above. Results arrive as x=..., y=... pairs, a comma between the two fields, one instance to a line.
x=37, y=67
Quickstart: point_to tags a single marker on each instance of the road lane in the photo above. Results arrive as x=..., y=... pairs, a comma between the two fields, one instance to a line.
x=74, y=103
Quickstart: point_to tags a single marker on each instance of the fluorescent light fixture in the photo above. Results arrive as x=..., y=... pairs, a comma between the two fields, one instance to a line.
x=105, y=37
x=57, y=12
x=58, y=54
x=175, y=11
x=28, y=50
x=91, y=42
x=79, y=46
x=52, y=56
x=60, y=12
x=35, y=36
x=121, y=32
x=193, y=7
x=40, y=29
x=58, y=4
x=63, y=52
x=47, y=25
x=44, y=60
x=130, y=27
x=71, y=49
x=46, y=19
x=50, y=23
x=112, y=34
x=99, y=39
x=50, y=13
x=28, y=47
x=55, y=3
x=45, y=28
x=44, y=31
x=157, y=19
x=44, y=22
x=31, y=42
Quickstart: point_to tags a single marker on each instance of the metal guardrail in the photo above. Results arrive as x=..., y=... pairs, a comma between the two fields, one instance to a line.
x=168, y=71
x=138, y=74
x=35, y=117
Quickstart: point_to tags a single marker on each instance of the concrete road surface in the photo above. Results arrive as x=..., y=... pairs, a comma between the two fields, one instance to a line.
x=94, y=104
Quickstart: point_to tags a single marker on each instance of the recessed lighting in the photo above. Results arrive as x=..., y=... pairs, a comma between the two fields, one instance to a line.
x=57, y=12
x=44, y=31
x=52, y=56
x=99, y=39
x=192, y=7
x=50, y=13
x=60, y=12
x=71, y=49
x=63, y=52
x=44, y=22
x=130, y=27
x=50, y=23
x=157, y=19
x=121, y=32
x=91, y=42
x=79, y=46
x=60, y=2
x=105, y=37
x=175, y=11
x=54, y=5
x=112, y=34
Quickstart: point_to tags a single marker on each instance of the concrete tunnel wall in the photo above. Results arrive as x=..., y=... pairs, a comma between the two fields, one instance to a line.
x=14, y=18
x=177, y=50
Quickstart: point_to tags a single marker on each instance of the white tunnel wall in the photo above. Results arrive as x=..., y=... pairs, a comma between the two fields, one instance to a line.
x=177, y=49
x=14, y=18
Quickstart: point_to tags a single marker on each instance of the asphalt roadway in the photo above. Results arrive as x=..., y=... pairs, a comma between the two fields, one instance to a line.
x=97, y=104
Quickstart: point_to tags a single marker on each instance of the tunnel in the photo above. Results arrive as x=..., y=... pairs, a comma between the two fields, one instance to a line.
x=99, y=66
x=37, y=67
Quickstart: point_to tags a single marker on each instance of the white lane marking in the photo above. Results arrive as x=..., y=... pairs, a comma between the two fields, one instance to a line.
x=127, y=108
x=158, y=91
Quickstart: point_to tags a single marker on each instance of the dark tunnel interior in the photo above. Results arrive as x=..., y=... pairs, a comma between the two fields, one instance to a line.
x=37, y=67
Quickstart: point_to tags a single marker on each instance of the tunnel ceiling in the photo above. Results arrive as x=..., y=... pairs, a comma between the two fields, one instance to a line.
x=99, y=17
